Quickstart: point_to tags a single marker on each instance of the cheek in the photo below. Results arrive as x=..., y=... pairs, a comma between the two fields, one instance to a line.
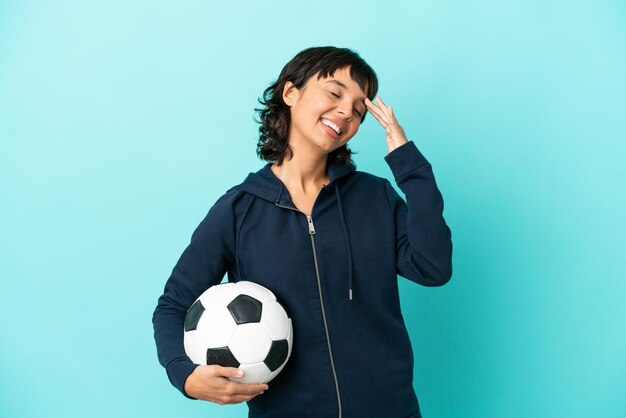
x=354, y=129
x=313, y=109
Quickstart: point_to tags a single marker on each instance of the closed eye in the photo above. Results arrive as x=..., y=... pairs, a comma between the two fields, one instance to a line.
x=338, y=96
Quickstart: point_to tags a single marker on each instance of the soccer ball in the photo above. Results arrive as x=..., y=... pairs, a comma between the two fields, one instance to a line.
x=239, y=324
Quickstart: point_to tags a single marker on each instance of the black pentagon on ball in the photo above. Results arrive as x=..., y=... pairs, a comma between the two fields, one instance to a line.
x=245, y=309
x=193, y=316
x=221, y=356
x=282, y=306
x=277, y=354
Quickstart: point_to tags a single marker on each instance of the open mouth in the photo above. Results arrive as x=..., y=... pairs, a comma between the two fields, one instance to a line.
x=331, y=129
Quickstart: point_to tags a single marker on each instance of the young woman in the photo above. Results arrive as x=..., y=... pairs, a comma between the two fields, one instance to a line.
x=328, y=240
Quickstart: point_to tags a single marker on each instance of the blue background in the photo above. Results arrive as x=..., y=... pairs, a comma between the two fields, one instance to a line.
x=122, y=122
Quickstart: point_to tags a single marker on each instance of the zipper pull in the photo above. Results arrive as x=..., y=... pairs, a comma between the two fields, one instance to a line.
x=311, y=227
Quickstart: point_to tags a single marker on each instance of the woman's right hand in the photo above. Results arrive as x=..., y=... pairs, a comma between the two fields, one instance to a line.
x=210, y=383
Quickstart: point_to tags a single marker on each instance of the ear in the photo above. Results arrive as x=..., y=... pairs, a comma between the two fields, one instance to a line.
x=290, y=93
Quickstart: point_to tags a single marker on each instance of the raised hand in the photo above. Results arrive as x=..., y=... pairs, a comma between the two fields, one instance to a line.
x=384, y=115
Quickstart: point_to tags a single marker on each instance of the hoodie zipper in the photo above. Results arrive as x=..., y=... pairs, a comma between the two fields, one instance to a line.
x=319, y=287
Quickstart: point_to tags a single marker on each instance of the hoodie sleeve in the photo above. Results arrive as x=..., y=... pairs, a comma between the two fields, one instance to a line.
x=423, y=239
x=202, y=264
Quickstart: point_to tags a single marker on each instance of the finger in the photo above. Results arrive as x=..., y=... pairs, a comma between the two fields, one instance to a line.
x=374, y=110
x=370, y=103
x=247, y=388
x=381, y=104
x=378, y=117
x=383, y=107
x=392, y=115
x=241, y=398
x=384, y=110
x=387, y=110
x=371, y=106
x=379, y=114
x=229, y=371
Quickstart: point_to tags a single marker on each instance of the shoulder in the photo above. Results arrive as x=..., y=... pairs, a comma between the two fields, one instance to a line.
x=232, y=200
x=371, y=186
x=376, y=187
x=369, y=179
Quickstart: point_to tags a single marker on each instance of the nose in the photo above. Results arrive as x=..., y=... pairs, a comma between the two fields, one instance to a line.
x=342, y=110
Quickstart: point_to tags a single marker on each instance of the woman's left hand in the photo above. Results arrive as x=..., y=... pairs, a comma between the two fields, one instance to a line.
x=384, y=115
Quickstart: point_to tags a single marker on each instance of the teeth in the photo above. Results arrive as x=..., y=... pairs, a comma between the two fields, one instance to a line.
x=332, y=125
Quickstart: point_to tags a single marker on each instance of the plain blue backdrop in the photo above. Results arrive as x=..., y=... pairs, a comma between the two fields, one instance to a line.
x=122, y=122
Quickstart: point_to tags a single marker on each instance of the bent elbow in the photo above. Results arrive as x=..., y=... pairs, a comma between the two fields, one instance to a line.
x=430, y=271
x=438, y=274
x=438, y=280
x=444, y=271
x=431, y=278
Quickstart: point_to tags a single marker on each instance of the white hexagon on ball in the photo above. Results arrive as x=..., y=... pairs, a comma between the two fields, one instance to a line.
x=275, y=320
x=254, y=373
x=250, y=343
x=255, y=290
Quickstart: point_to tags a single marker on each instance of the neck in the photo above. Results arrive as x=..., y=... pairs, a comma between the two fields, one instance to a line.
x=305, y=173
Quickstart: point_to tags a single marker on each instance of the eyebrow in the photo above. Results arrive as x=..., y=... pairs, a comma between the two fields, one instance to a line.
x=345, y=87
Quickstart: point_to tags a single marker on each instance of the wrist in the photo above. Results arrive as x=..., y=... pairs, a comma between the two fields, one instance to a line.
x=396, y=145
x=190, y=386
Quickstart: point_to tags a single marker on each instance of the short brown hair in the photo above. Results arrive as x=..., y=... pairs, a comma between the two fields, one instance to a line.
x=275, y=116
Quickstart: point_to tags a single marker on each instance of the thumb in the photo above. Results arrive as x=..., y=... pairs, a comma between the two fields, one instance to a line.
x=230, y=372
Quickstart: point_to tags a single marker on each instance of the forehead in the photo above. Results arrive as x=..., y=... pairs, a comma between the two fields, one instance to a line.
x=341, y=78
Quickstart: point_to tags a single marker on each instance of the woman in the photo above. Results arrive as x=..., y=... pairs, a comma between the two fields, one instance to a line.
x=328, y=240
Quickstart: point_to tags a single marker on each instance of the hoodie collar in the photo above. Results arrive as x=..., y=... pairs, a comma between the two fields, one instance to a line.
x=267, y=186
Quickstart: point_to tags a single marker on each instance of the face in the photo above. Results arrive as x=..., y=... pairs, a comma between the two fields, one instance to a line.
x=337, y=101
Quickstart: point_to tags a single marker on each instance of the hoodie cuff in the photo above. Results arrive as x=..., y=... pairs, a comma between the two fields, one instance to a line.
x=178, y=371
x=404, y=159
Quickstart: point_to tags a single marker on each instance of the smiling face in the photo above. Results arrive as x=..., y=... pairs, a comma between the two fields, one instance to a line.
x=320, y=107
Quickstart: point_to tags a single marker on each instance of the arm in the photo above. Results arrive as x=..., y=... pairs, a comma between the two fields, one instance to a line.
x=423, y=239
x=202, y=264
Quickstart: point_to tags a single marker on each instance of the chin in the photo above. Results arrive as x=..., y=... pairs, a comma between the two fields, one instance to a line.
x=328, y=148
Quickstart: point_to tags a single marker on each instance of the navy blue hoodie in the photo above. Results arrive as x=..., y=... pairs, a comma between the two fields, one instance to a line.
x=335, y=272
